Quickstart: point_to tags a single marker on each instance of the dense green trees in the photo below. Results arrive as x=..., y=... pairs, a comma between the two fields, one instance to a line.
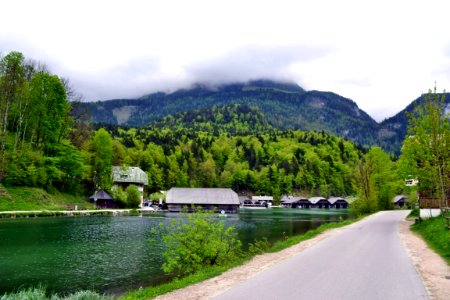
x=377, y=182
x=102, y=147
x=34, y=125
x=426, y=151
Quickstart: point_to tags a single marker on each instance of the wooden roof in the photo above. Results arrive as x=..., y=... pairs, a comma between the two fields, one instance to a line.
x=197, y=196
x=292, y=199
x=333, y=200
x=100, y=195
x=129, y=175
x=315, y=200
x=399, y=198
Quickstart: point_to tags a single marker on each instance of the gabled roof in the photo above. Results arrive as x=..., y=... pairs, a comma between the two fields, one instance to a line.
x=399, y=198
x=292, y=199
x=100, y=195
x=129, y=175
x=196, y=196
x=333, y=200
x=315, y=200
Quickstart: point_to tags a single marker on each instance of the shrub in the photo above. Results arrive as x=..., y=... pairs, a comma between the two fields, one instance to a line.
x=133, y=196
x=195, y=241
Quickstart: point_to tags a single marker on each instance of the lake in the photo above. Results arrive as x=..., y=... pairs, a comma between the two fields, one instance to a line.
x=112, y=254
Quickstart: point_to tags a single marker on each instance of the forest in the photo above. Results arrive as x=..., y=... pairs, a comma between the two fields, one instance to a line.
x=48, y=140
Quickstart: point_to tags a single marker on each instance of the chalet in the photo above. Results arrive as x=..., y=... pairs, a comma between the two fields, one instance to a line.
x=399, y=201
x=319, y=202
x=102, y=199
x=125, y=176
x=294, y=202
x=338, y=202
x=207, y=198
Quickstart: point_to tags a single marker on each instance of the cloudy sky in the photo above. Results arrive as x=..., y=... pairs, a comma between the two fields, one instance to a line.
x=381, y=54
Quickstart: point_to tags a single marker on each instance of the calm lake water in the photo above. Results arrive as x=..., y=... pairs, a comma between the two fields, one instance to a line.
x=111, y=254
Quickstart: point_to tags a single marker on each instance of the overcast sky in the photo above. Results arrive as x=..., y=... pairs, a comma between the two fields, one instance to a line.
x=381, y=54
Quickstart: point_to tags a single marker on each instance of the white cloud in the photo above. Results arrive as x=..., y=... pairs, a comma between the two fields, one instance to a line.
x=381, y=54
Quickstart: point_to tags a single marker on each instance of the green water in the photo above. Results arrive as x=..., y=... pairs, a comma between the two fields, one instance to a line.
x=111, y=254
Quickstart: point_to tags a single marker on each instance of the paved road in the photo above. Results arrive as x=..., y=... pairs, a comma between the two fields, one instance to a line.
x=365, y=261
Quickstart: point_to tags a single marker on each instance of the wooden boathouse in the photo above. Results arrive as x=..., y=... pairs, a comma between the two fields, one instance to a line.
x=206, y=198
x=338, y=202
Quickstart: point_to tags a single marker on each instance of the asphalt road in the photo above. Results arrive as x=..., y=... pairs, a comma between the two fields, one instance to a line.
x=365, y=261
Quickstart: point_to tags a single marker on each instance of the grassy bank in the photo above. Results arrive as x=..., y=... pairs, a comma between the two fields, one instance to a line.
x=40, y=294
x=153, y=291
x=27, y=198
x=436, y=235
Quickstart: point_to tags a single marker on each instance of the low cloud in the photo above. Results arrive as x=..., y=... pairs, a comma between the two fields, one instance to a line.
x=253, y=63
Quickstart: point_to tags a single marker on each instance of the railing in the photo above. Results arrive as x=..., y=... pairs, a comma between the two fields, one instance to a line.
x=425, y=202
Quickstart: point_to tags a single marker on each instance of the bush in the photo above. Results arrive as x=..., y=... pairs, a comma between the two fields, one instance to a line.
x=195, y=241
x=133, y=196
x=40, y=294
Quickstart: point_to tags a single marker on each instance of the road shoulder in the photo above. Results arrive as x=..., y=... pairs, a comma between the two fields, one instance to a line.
x=433, y=270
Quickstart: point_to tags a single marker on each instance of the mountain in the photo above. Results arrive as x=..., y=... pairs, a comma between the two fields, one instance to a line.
x=393, y=130
x=284, y=105
x=281, y=105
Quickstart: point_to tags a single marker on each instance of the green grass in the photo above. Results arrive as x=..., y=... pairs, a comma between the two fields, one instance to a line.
x=27, y=198
x=153, y=291
x=435, y=233
x=40, y=294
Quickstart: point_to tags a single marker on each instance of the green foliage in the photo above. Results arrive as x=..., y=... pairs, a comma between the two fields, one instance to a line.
x=259, y=246
x=40, y=294
x=118, y=194
x=271, y=163
x=434, y=231
x=133, y=196
x=426, y=151
x=102, y=159
x=196, y=241
x=376, y=181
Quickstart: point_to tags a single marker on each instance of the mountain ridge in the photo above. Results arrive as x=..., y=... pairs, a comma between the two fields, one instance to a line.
x=285, y=105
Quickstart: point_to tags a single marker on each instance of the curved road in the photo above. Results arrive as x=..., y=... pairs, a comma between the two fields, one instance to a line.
x=365, y=261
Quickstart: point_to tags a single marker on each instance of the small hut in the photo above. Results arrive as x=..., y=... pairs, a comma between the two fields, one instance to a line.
x=338, y=202
x=102, y=199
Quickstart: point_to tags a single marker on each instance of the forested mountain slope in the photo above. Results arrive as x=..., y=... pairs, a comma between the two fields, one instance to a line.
x=285, y=106
x=393, y=130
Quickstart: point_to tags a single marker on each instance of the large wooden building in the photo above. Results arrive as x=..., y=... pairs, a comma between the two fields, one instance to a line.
x=125, y=176
x=206, y=198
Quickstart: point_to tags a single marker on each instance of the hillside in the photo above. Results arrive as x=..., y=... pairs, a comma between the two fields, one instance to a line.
x=392, y=131
x=285, y=106
x=235, y=119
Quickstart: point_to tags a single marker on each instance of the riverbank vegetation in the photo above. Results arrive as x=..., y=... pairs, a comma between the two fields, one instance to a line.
x=436, y=235
x=40, y=294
